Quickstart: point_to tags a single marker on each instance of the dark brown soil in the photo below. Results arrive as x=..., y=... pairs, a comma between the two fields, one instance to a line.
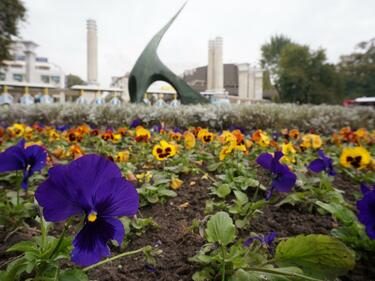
x=178, y=243
x=290, y=221
x=172, y=237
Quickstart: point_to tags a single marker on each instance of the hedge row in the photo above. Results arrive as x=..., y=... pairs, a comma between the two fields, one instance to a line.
x=322, y=118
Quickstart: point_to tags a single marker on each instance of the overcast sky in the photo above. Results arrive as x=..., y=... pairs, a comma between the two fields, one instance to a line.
x=126, y=26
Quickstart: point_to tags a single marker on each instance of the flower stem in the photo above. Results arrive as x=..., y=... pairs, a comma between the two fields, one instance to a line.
x=18, y=197
x=223, y=264
x=283, y=273
x=115, y=258
x=43, y=229
x=256, y=193
x=61, y=238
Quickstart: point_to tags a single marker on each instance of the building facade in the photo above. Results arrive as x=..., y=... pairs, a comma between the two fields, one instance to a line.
x=242, y=81
x=26, y=66
x=122, y=83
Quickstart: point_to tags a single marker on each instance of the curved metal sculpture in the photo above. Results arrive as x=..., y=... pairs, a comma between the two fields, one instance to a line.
x=149, y=68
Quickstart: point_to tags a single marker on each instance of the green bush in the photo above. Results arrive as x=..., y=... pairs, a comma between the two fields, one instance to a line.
x=322, y=118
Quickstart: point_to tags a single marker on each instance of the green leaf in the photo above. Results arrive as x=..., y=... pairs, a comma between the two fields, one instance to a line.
x=23, y=246
x=206, y=274
x=14, y=269
x=242, y=275
x=340, y=212
x=319, y=256
x=213, y=167
x=73, y=275
x=222, y=190
x=220, y=229
x=241, y=197
x=293, y=199
x=167, y=193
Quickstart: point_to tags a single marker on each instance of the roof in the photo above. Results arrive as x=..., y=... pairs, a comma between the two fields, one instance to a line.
x=27, y=84
x=365, y=99
x=95, y=88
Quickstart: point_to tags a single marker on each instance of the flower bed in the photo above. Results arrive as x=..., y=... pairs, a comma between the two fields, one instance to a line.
x=323, y=118
x=162, y=203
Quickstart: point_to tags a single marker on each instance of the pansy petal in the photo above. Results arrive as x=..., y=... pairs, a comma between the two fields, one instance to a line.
x=279, y=168
x=321, y=154
x=268, y=239
x=119, y=230
x=331, y=171
x=366, y=214
x=278, y=155
x=269, y=194
x=284, y=182
x=36, y=158
x=265, y=160
x=117, y=197
x=12, y=159
x=90, y=244
x=250, y=240
x=90, y=172
x=317, y=166
x=58, y=196
x=364, y=188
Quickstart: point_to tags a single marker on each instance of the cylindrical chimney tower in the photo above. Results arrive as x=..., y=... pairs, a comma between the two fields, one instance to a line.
x=218, y=65
x=92, y=52
x=210, y=66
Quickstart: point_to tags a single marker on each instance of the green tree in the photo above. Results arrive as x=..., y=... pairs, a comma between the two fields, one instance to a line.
x=304, y=76
x=11, y=13
x=358, y=70
x=271, y=52
x=72, y=80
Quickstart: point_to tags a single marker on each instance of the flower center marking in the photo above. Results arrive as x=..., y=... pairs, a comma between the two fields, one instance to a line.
x=92, y=217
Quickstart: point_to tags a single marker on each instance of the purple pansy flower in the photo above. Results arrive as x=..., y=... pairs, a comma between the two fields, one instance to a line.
x=264, y=240
x=135, y=123
x=366, y=210
x=283, y=178
x=323, y=163
x=62, y=128
x=18, y=158
x=91, y=186
x=235, y=127
x=157, y=128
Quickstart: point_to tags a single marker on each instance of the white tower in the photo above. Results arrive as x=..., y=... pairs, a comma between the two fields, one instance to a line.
x=210, y=66
x=250, y=82
x=219, y=68
x=215, y=68
x=92, y=52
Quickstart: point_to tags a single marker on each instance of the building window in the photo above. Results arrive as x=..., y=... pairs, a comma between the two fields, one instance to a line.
x=18, y=77
x=2, y=76
x=42, y=67
x=44, y=78
x=16, y=65
x=55, y=79
x=19, y=57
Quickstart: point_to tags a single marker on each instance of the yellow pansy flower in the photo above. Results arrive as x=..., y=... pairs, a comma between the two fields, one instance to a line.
x=355, y=157
x=311, y=141
x=205, y=136
x=17, y=130
x=189, y=139
x=164, y=150
x=176, y=183
x=122, y=156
